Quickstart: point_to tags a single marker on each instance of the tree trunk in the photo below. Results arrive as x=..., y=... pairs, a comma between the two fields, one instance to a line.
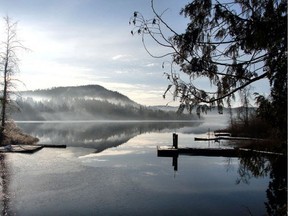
x=4, y=99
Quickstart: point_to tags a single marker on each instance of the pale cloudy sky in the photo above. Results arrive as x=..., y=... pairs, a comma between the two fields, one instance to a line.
x=79, y=42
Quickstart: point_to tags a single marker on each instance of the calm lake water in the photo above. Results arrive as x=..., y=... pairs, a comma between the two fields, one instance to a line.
x=112, y=168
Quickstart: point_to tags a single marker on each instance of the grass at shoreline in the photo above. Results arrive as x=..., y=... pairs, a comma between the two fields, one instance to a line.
x=14, y=136
x=268, y=138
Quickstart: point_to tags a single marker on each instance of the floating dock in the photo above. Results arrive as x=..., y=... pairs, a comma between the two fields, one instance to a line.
x=218, y=138
x=213, y=152
x=170, y=151
x=52, y=146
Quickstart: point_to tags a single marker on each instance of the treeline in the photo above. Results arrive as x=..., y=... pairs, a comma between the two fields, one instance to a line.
x=87, y=91
x=68, y=108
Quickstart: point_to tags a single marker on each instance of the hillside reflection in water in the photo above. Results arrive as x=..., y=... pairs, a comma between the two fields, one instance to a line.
x=98, y=135
x=91, y=178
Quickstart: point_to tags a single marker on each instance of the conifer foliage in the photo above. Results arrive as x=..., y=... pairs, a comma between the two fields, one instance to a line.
x=233, y=44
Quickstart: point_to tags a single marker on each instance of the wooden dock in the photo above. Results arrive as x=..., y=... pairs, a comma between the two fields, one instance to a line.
x=170, y=152
x=52, y=146
x=218, y=138
x=211, y=152
x=174, y=151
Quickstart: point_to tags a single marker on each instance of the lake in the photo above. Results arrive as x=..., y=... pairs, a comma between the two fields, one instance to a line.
x=112, y=168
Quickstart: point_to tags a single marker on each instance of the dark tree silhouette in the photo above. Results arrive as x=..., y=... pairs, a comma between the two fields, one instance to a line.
x=233, y=44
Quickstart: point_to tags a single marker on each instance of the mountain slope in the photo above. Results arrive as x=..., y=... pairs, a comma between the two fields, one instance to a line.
x=91, y=102
x=88, y=92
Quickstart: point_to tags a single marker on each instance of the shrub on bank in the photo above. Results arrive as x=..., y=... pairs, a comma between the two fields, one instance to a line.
x=12, y=135
x=269, y=140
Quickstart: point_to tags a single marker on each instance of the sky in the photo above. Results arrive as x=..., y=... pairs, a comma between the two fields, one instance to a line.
x=81, y=42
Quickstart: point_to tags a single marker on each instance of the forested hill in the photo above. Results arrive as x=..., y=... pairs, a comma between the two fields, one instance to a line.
x=92, y=102
x=88, y=92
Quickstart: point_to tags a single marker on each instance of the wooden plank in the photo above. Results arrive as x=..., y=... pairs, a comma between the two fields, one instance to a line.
x=167, y=151
x=206, y=139
x=216, y=152
x=222, y=134
x=51, y=146
x=226, y=138
x=212, y=152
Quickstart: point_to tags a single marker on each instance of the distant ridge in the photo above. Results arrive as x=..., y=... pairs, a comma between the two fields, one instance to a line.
x=88, y=102
x=83, y=91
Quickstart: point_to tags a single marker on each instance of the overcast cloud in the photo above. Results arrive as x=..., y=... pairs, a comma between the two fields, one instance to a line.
x=79, y=42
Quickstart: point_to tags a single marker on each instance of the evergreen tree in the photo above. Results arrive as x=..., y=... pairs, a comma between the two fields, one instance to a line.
x=233, y=44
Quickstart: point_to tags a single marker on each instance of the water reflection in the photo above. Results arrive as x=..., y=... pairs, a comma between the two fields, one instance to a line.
x=274, y=166
x=277, y=189
x=4, y=184
x=132, y=173
x=97, y=135
x=258, y=166
x=251, y=167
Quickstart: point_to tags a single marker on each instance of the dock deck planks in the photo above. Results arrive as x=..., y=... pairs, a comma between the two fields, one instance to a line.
x=213, y=152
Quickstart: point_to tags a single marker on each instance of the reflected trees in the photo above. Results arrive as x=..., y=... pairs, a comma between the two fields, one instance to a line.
x=258, y=166
x=4, y=184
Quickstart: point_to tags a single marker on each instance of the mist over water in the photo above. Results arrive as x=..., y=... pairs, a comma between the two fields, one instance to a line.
x=91, y=102
x=98, y=134
x=111, y=168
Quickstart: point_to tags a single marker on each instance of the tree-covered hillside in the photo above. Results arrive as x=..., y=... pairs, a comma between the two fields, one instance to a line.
x=84, y=103
x=87, y=91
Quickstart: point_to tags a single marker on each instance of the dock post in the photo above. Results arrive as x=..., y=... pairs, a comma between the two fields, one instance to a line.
x=175, y=140
x=175, y=162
